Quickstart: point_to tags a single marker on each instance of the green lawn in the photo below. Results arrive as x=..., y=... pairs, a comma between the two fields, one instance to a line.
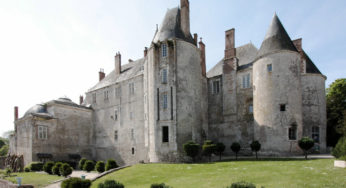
x=268, y=173
x=36, y=179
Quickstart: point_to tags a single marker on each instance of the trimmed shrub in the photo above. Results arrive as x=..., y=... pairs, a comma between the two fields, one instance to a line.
x=191, y=149
x=56, y=168
x=161, y=185
x=73, y=164
x=81, y=163
x=111, y=164
x=242, y=184
x=235, y=147
x=47, y=167
x=340, y=148
x=255, y=146
x=305, y=144
x=208, y=148
x=89, y=165
x=110, y=184
x=65, y=170
x=219, y=149
x=100, y=166
x=26, y=169
x=36, y=166
x=75, y=183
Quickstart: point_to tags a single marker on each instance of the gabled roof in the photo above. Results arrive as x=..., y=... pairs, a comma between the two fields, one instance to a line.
x=276, y=39
x=171, y=28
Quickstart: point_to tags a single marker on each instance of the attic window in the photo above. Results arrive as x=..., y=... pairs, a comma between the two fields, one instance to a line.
x=269, y=68
x=164, y=50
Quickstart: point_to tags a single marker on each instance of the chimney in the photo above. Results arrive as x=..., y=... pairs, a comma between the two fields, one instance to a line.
x=230, y=44
x=15, y=113
x=117, y=64
x=298, y=44
x=81, y=100
x=202, y=48
x=102, y=74
x=185, y=17
x=195, y=38
x=145, y=52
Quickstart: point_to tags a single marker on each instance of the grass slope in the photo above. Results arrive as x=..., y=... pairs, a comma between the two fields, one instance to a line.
x=268, y=173
x=36, y=179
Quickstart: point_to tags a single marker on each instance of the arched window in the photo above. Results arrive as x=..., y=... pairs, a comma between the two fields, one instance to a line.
x=292, y=132
x=315, y=134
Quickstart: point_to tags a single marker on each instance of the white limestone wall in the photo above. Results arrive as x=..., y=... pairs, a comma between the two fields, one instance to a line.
x=281, y=86
x=23, y=139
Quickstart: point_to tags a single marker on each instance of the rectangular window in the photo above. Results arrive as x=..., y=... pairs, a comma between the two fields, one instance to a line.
x=282, y=107
x=116, y=135
x=42, y=132
x=165, y=134
x=105, y=93
x=216, y=87
x=316, y=134
x=132, y=88
x=94, y=98
x=165, y=101
x=117, y=92
x=116, y=115
x=164, y=76
x=132, y=134
x=246, y=81
x=164, y=50
x=292, y=132
x=250, y=109
x=269, y=68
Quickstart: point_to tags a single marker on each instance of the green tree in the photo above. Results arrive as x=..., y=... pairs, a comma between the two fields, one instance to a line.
x=340, y=148
x=255, y=146
x=2, y=142
x=219, y=149
x=4, y=150
x=208, y=148
x=336, y=110
x=191, y=149
x=235, y=147
x=305, y=144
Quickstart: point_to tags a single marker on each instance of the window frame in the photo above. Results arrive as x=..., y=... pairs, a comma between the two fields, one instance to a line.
x=164, y=101
x=164, y=76
x=246, y=81
x=269, y=67
x=292, y=132
x=315, y=133
x=250, y=109
x=164, y=51
x=94, y=98
x=216, y=87
x=132, y=88
x=42, y=132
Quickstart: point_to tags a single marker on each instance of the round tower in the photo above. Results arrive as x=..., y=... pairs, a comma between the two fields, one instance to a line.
x=277, y=93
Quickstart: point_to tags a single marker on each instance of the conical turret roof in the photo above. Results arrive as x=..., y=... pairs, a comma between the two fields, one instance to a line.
x=276, y=39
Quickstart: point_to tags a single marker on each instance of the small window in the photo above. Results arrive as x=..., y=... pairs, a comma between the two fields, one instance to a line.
x=131, y=115
x=164, y=50
x=316, y=134
x=269, y=68
x=42, y=132
x=216, y=86
x=116, y=115
x=94, y=98
x=117, y=92
x=165, y=101
x=116, y=135
x=292, y=132
x=246, y=81
x=105, y=95
x=282, y=107
x=165, y=134
x=132, y=88
x=164, y=76
x=132, y=134
x=133, y=151
x=250, y=109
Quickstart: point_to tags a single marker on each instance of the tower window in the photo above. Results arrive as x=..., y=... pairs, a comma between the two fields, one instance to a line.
x=164, y=76
x=42, y=132
x=216, y=86
x=164, y=50
x=165, y=134
x=269, y=68
x=282, y=107
x=316, y=134
x=292, y=132
x=165, y=101
x=246, y=81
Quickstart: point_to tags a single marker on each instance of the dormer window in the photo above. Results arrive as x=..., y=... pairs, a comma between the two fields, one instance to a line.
x=164, y=50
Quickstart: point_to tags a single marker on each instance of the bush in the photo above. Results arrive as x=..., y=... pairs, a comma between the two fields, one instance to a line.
x=219, y=149
x=48, y=167
x=162, y=185
x=191, y=149
x=343, y=158
x=4, y=150
x=255, y=146
x=8, y=171
x=35, y=166
x=208, y=148
x=242, y=184
x=110, y=184
x=81, y=163
x=65, y=170
x=100, y=166
x=56, y=168
x=305, y=144
x=75, y=183
x=26, y=169
x=340, y=148
x=111, y=164
x=89, y=165
x=73, y=164
x=235, y=147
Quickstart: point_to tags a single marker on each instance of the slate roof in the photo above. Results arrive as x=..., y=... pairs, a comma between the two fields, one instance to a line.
x=171, y=28
x=130, y=70
x=310, y=66
x=276, y=39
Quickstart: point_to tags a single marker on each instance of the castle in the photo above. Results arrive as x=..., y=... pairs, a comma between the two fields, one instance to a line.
x=145, y=110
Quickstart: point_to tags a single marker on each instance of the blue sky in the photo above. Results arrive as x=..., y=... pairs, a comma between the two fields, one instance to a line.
x=53, y=48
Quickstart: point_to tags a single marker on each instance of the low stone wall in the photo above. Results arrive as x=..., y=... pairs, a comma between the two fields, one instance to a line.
x=7, y=184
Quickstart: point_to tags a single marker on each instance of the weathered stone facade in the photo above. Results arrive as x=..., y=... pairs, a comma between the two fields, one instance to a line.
x=147, y=109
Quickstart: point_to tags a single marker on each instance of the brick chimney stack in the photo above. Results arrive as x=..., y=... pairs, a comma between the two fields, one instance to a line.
x=81, y=100
x=298, y=44
x=15, y=113
x=145, y=52
x=185, y=17
x=230, y=50
x=202, y=49
x=102, y=74
x=117, y=64
x=195, y=38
